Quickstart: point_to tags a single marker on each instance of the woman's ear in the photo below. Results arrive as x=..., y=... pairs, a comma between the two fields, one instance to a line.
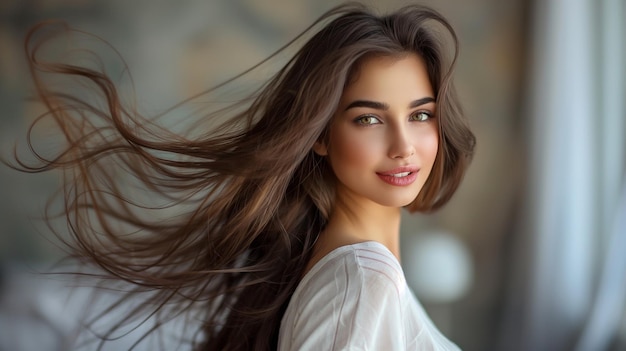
x=320, y=148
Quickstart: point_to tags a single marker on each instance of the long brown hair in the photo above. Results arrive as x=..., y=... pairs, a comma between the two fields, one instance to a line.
x=256, y=196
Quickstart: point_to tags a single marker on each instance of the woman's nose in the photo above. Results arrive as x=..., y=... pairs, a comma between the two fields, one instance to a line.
x=400, y=144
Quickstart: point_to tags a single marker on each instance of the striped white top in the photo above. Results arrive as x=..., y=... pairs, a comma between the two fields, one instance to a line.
x=356, y=298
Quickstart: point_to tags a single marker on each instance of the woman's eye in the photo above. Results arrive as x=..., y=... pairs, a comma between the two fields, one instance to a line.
x=367, y=120
x=421, y=116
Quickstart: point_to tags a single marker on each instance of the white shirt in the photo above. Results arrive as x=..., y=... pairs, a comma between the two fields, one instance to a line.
x=356, y=298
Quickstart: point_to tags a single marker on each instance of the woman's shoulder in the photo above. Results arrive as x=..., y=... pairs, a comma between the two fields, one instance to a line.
x=359, y=264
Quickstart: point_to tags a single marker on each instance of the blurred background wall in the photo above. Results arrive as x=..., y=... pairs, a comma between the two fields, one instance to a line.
x=527, y=255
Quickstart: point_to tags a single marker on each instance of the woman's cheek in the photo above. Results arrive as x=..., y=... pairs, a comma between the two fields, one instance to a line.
x=358, y=147
x=428, y=145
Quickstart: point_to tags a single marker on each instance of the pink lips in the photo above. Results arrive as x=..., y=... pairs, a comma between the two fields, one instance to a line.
x=401, y=176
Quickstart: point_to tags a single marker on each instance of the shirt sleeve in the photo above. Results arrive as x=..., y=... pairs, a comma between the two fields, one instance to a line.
x=354, y=308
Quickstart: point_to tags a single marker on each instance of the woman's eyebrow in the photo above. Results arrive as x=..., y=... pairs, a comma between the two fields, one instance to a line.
x=384, y=107
x=422, y=101
x=368, y=103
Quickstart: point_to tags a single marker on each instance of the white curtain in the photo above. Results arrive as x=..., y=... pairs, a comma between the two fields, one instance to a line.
x=570, y=284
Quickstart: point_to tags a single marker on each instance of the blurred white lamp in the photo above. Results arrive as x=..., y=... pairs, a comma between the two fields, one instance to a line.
x=437, y=266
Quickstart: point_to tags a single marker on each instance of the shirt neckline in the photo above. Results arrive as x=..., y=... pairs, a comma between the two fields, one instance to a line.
x=338, y=252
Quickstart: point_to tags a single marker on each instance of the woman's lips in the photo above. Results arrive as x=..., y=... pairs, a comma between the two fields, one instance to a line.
x=401, y=176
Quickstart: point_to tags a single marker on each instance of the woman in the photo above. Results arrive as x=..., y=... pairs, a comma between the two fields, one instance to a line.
x=290, y=235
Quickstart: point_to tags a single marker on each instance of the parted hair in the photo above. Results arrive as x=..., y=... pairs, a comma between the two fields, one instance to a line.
x=255, y=195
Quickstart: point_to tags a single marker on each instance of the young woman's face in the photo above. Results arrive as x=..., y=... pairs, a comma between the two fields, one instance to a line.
x=383, y=139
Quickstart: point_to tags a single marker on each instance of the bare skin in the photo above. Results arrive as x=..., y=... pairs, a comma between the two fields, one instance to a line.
x=376, y=226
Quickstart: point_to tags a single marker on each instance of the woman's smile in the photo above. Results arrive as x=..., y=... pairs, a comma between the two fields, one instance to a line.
x=401, y=176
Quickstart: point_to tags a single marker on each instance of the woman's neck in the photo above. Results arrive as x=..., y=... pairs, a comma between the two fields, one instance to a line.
x=376, y=223
x=356, y=222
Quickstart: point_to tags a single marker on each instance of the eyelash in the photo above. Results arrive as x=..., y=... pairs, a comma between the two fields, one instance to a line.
x=417, y=113
x=359, y=120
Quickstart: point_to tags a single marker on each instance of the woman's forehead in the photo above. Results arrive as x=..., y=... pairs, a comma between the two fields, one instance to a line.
x=389, y=79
